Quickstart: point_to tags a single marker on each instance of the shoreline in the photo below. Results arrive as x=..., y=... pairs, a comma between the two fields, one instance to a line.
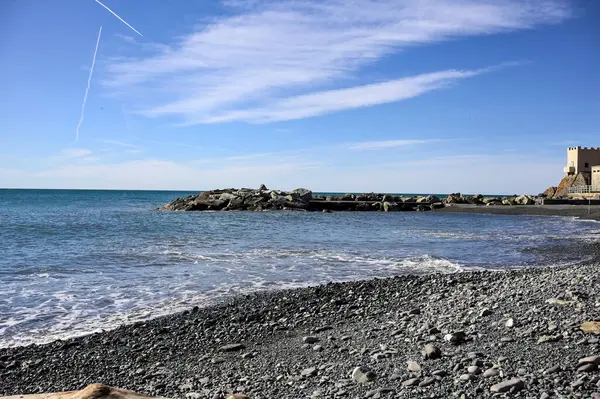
x=578, y=211
x=256, y=343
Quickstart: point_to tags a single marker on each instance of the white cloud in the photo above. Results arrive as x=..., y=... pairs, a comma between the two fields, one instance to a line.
x=239, y=67
x=324, y=102
x=377, y=145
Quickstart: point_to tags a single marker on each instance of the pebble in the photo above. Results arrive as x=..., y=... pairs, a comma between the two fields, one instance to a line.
x=548, y=338
x=310, y=339
x=439, y=373
x=414, y=367
x=410, y=382
x=427, y=381
x=491, y=373
x=474, y=370
x=589, y=359
x=362, y=375
x=552, y=370
x=588, y=367
x=513, y=384
x=455, y=338
x=232, y=347
x=467, y=377
x=309, y=372
x=431, y=351
x=510, y=323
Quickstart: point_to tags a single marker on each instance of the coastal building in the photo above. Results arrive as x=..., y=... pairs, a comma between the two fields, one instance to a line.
x=596, y=176
x=582, y=172
x=582, y=160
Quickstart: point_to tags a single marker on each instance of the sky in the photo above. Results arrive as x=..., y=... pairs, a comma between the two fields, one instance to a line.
x=402, y=96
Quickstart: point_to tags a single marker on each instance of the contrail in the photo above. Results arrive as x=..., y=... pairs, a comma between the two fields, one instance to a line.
x=120, y=19
x=88, y=86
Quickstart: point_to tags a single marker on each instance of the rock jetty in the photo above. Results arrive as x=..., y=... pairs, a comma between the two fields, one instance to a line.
x=262, y=199
x=247, y=199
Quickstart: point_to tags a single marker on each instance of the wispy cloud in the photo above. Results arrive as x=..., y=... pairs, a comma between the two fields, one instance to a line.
x=248, y=156
x=74, y=152
x=127, y=38
x=378, y=145
x=252, y=66
x=120, y=144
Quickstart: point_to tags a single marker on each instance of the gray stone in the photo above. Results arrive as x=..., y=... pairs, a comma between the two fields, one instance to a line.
x=427, y=381
x=411, y=382
x=491, y=373
x=362, y=375
x=232, y=347
x=552, y=370
x=510, y=323
x=549, y=338
x=589, y=359
x=474, y=370
x=431, y=351
x=439, y=373
x=588, y=367
x=467, y=377
x=310, y=339
x=515, y=384
x=414, y=367
x=309, y=372
x=455, y=338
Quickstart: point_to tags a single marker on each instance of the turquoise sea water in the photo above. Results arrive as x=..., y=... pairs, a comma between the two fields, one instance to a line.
x=73, y=262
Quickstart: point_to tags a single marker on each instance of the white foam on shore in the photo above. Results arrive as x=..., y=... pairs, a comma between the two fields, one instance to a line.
x=72, y=314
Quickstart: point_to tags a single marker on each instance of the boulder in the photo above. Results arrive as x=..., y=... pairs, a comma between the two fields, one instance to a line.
x=455, y=198
x=524, y=200
x=432, y=198
x=390, y=206
x=475, y=199
x=549, y=193
x=301, y=194
x=569, y=181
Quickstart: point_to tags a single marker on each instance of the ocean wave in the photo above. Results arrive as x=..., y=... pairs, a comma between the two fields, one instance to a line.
x=70, y=313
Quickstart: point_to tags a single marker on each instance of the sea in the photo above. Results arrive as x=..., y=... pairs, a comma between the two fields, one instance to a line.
x=74, y=262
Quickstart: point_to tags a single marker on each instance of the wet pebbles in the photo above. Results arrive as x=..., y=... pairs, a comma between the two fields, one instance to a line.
x=465, y=335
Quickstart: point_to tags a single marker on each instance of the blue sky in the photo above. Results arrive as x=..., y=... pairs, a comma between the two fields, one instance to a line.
x=332, y=95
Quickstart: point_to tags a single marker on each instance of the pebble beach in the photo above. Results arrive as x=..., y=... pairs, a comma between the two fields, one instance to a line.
x=526, y=333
